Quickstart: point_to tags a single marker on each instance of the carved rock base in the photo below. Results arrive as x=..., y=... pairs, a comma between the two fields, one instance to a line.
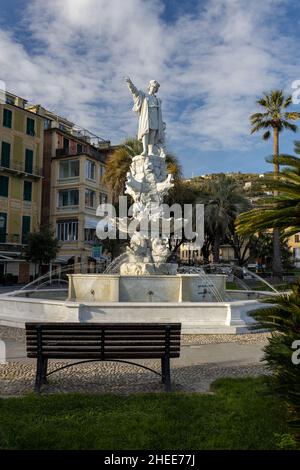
x=143, y=269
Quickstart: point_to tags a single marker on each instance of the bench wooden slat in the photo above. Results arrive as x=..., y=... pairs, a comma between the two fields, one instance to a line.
x=93, y=355
x=86, y=347
x=161, y=336
x=45, y=344
x=108, y=332
x=107, y=326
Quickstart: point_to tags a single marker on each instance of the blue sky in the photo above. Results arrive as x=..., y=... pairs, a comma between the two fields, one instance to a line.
x=213, y=59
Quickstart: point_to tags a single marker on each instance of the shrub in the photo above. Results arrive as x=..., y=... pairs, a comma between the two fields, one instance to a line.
x=282, y=317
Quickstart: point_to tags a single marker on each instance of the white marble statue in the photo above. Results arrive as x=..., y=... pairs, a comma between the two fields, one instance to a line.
x=147, y=182
x=151, y=127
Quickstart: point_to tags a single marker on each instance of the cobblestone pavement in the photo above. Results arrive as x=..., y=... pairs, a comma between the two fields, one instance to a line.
x=110, y=377
x=17, y=378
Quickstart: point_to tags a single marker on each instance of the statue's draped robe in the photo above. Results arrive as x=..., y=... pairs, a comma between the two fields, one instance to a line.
x=141, y=106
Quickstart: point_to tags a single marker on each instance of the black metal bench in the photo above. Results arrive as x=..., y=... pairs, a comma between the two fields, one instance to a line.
x=91, y=342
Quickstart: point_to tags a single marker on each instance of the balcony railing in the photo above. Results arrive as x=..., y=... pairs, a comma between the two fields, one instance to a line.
x=71, y=207
x=19, y=168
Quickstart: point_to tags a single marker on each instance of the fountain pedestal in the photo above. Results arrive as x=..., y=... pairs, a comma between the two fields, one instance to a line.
x=142, y=269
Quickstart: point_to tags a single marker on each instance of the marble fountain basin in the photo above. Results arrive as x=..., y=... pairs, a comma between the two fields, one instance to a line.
x=185, y=298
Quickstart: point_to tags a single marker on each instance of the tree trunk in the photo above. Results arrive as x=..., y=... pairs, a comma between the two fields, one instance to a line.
x=216, y=250
x=276, y=262
x=206, y=249
x=276, y=152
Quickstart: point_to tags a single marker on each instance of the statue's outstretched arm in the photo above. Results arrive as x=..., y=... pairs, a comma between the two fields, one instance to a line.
x=132, y=87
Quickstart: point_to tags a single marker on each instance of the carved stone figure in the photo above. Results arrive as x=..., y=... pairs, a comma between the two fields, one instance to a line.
x=148, y=106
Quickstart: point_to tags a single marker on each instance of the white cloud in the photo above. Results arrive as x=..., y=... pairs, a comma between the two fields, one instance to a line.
x=212, y=65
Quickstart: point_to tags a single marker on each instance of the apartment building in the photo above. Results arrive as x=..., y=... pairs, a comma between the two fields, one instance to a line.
x=21, y=160
x=294, y=246
x=74, y=165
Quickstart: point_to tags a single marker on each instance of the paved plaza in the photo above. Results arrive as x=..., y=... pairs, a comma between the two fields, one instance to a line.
x=204, y=358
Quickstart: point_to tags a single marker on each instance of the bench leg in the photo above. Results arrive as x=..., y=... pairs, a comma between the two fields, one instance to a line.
x=167, y=373
x=163, y=372
x=39, y=374
x=45, y=366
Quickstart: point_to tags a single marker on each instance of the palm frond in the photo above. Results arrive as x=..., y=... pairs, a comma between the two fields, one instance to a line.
x=266, y=135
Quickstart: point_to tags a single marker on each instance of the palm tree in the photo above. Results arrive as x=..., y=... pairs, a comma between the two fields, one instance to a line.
x=223, y=201
x=281, y=211
x=119, y=162
x=274, y=119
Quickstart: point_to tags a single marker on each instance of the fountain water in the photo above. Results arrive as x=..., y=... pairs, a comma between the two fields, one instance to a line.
x=114, y=266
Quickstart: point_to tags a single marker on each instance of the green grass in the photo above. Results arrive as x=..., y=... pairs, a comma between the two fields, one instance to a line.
x=241, y=414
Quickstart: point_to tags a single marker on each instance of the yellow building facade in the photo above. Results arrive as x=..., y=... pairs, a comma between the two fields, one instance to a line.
x=294, y=246
x=21, y=162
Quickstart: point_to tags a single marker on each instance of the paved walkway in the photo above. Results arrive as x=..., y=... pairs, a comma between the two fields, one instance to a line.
x=198, y=366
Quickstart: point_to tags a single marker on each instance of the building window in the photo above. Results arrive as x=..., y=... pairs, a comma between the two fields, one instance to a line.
x=90, y=170
x=47, y=124
x=79, y=148
x=67, y=230
x=297, y=238
x=28, y=161
x=68, y=197
x=25, y=228
x=30, y=127
x=89, y=234
x=5, y=154
x=27, y=190
x=9, y=100
x=102, y=171
x=7, y=118
x=69, y=169
x=4, y=180
x=89, y=198
x=102, y=198
x=66, y=144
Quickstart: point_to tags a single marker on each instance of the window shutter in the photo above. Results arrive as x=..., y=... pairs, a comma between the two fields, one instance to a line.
x=28, y=160
x=27, y=190
x=3, y=220
x=25, y=228
x=5, y=154
x=4, y=186
x=30, y=127
x=7, y=117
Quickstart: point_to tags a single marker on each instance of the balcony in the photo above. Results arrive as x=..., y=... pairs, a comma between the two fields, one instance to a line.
x=64, y=152
x=18, y=169
x=90, y=151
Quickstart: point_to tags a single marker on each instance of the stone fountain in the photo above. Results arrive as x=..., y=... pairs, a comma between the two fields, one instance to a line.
x=146, y=275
